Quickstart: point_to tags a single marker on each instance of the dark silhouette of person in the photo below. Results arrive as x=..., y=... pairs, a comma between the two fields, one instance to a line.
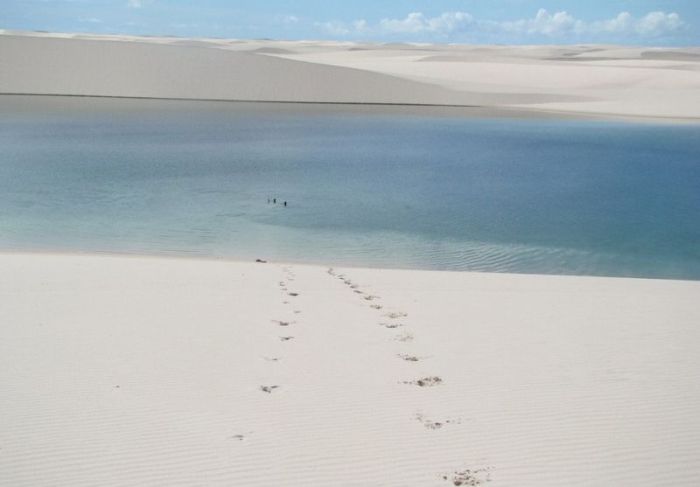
x=285, y=203
x=274, y=200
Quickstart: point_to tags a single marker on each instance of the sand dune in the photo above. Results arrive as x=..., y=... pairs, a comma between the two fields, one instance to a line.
x=143, y=69
x=601, y=81
x=148, y=371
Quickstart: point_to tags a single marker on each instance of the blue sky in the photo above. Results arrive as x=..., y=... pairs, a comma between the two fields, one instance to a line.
x=643, y=22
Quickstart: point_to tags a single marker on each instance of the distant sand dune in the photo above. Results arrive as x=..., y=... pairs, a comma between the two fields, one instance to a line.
x=672, y=55
x=592, y=80
x=109, y=68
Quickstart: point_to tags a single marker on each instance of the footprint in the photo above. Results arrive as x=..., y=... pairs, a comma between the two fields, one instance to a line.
x=282, y=323
x=371, y=297
x=296, y=311
x=375, y=306
x=272, y=359
x=425, y=381
x=393, y=316
x=408, y=358
x=294, y=295
x=357, y=291
x=331, y=271
x=286, y=339
x=469, y=477
x=434, y=425
x=268, y=389
x=391, y=326
x=428, y=423
x=404, y=337
x=354, y=286
x=237, y=437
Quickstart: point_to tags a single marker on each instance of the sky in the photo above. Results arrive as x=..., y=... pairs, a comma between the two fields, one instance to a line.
x=636, y=22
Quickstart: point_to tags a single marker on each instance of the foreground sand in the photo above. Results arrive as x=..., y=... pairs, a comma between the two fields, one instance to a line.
x=599, y=81
x=148, y=371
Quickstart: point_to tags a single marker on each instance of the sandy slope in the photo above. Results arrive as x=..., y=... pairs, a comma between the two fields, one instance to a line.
x=147, y=371
x=595, y=80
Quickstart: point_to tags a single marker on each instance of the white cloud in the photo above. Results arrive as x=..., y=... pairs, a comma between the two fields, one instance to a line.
x=624, y=22
x=335, y=28
x=134, y=3
x=659, y=23
x=543, y=24
x=360, y=26
x=416, y=22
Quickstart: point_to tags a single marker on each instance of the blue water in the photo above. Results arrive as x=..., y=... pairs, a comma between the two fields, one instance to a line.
x=364, y=187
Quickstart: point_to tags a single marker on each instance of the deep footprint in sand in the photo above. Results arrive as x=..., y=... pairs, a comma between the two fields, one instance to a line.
x=375, y=306
x=396, y=315
x=268, y=389
x=434, y=425
x=425, y=381
x=294, y=295
x=286, y=339
x=282, y=323
x=404, y=337
x=391, y=326
x=272, y=359
x=469, y=477
x=408, y=358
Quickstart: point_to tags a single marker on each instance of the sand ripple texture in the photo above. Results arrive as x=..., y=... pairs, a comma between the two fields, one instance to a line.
x=122, y=371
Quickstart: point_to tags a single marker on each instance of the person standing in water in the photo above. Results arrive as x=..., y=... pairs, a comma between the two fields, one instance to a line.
x=285, y=203
x=274, y=200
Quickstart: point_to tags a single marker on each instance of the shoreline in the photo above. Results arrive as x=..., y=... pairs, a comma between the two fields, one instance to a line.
x=414, y=109
x=318, y=265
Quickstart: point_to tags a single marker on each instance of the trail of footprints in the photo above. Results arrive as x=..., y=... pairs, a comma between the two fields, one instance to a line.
x=465, y=477
x=392, y=322
x=284, y=288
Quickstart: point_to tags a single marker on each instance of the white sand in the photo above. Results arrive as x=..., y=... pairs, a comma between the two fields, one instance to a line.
x=143, y=371
x=601, y=81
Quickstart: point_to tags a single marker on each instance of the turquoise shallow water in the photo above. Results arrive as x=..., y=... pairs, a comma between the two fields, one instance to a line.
x=364, y=187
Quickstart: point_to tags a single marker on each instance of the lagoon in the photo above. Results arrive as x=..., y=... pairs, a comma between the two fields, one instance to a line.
x=364, y=186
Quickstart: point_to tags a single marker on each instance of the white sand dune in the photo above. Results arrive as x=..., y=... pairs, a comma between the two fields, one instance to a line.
x=148, y=371
x=600, y=81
